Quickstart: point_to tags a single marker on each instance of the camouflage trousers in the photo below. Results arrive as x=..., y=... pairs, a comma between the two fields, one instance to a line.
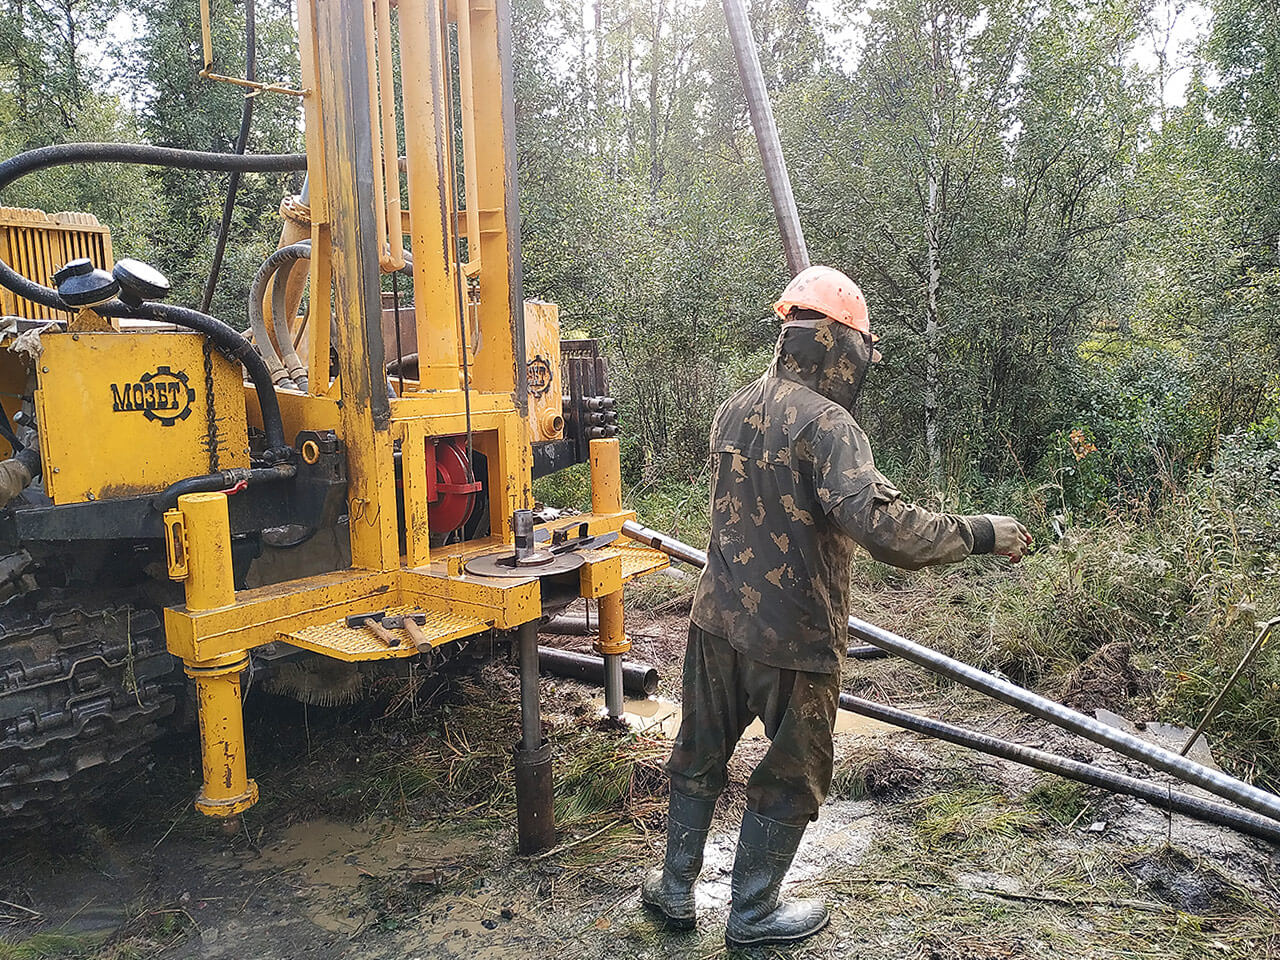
x=723, y=692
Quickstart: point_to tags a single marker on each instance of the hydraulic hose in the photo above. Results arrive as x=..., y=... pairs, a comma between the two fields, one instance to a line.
x=1241, y=821
x=63, y=154
x=167, y=498
x=1246, y=795
x=280, y=323
x=222, y=335
x=284, y=369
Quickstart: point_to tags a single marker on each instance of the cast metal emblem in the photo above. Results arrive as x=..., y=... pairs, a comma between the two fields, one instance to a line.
x=161, y=395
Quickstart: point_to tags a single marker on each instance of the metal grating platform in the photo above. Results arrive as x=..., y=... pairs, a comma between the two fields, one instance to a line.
x=344, y=643
x=637, y=561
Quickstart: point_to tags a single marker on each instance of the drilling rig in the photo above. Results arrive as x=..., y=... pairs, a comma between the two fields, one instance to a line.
x=150, y=451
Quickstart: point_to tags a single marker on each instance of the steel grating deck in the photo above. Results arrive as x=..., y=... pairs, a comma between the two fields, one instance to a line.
x=345, y=643
x=637, y=561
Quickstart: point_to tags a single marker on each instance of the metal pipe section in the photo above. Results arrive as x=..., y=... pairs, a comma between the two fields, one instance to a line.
x=638, y=679
x=1158, y=796
x=775, y=165
x=613, y=685
x=530, y=705
x=535, y=818
x=1159, y=758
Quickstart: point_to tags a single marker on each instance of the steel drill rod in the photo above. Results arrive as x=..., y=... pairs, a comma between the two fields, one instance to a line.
x=582, y=627
x=613, y=699
x=771, y=158
x=639, y=679
x=1241, y=821
x=1246, y=795
x=530, y=691
x=1254, y=648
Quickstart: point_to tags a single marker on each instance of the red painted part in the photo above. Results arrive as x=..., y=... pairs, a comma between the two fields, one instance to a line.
x=450, y=489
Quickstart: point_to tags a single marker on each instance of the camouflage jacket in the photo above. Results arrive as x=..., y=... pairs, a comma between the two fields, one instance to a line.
x=794, y=488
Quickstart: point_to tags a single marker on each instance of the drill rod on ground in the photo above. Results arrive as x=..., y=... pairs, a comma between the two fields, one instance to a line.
x=1242, y=821
x=1246, y=795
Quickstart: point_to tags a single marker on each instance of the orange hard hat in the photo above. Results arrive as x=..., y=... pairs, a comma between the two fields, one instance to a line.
x=829, y=292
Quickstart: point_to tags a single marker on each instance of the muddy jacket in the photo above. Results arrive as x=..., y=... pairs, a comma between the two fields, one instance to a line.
x=795, y=487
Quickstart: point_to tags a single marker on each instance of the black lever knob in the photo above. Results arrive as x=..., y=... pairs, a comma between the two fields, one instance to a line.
x=139, y=282
x=80, y=285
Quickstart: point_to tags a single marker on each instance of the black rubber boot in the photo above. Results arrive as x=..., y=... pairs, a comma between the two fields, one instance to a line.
x=669, y=889
x=757, y=916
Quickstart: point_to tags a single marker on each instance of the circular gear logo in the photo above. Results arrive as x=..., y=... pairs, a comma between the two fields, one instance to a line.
x=163, y=395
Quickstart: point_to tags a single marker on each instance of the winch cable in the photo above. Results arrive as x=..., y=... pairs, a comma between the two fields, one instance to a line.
x=1214, y=781
x=222, y=335
x=242, y=141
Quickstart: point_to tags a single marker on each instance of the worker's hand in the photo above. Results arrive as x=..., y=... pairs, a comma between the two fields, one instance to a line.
x=1012, y=539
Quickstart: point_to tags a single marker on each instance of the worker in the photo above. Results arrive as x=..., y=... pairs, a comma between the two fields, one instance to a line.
x=794, y=488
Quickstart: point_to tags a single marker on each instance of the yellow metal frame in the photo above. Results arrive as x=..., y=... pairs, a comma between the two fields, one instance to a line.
x=37, y=244
x=357, y=228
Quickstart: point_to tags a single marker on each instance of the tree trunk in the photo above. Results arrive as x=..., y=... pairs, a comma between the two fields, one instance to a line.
x=933, y=243
x=655, y=71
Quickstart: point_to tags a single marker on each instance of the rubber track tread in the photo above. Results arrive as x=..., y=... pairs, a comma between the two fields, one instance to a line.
x=83, y=686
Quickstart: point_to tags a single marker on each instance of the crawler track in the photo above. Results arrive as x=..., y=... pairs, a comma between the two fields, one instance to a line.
x=84, y=685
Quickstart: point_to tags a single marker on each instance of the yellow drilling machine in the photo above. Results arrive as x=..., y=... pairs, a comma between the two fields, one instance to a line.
x=147, y=445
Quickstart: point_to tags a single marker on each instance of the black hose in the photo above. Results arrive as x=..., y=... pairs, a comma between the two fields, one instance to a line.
x=167, y=498
x=639, y=679
x=63, y=154
x=242, y=141
x=1242, y=821
x=257, y=320
x=225, y=337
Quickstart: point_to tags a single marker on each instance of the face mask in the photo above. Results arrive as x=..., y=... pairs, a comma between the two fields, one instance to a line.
x=825, y=356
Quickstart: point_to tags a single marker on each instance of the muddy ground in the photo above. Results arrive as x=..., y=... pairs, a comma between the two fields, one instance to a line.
x=383, y=837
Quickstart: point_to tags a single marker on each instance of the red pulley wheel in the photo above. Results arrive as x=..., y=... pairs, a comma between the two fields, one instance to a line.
x=451, y=491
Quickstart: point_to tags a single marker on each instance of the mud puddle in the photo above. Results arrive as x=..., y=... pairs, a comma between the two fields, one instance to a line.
x=661, y=717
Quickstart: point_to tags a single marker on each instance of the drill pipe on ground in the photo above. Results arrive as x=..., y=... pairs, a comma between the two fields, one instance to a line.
x=1244, y=794
x=1241, y=821
x=638, y=679
x=581, y=627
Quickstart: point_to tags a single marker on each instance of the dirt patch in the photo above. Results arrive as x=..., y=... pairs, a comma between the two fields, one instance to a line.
x=1172, y=877
x=394, y=836
x=1107, y=679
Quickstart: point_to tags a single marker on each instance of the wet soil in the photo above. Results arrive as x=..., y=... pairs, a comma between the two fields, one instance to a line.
x=923, y=850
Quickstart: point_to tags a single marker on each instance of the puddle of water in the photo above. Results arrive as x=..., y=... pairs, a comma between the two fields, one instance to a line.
x=336, y=855
x=657, y=715
x=839, y=839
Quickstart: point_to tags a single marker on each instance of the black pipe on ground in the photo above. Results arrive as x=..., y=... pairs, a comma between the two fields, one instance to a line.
x=638, y=679
x=1241, y=821
x=1214, y=781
